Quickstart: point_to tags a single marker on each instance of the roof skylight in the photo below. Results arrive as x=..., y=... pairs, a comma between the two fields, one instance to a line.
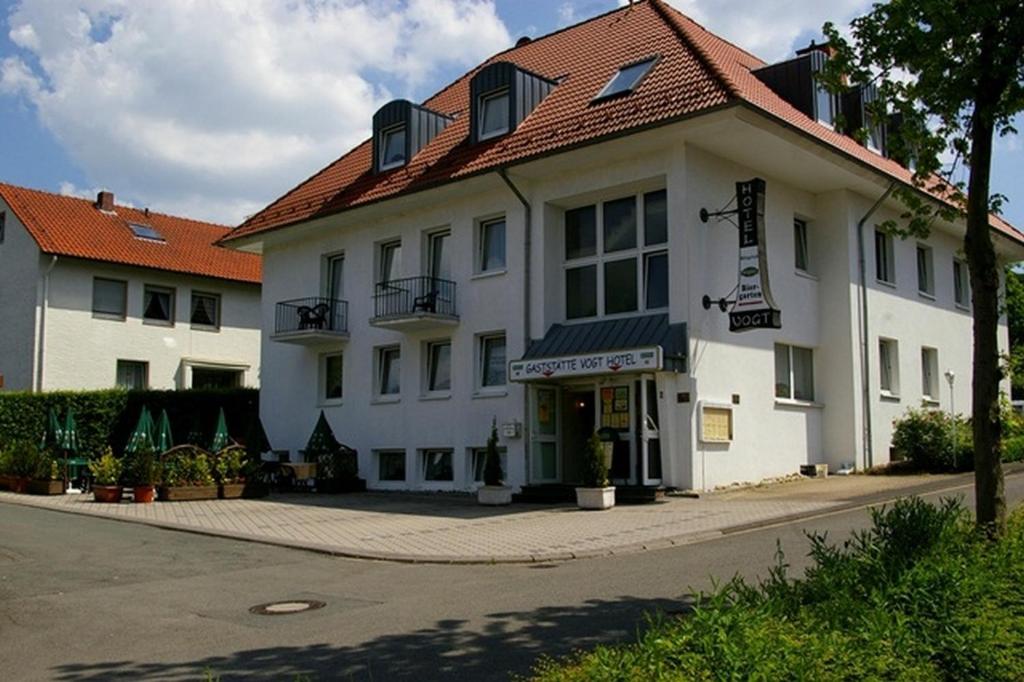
x=626, y=79
x=146, y=232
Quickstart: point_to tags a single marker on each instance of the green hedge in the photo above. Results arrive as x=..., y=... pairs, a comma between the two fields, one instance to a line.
x=108, y=417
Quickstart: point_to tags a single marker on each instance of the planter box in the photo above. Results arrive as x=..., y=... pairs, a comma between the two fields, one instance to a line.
x=494, y=495
x=595, y=498
x=37, y=487
x=186, y=493
x=249, y=489
x=106, y=493
x=17, y=484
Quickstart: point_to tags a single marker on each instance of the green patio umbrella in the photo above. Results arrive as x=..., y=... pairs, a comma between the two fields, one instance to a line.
x=256, y=441
x=142, y=436
x=221, y=439
x=323, y=440
x=164, y=439
x=53, y=433
x=69, y=436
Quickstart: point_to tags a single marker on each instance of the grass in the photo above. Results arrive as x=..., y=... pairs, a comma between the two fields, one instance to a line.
x=918, y=596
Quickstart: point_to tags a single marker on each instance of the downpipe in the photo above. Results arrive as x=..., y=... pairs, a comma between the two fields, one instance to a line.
x=41, y=336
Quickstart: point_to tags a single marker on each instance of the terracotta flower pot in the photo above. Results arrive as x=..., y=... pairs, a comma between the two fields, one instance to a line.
x=145, y=493
x=106, y=493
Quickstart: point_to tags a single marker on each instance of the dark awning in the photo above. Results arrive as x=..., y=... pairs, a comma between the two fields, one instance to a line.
x=642, y=343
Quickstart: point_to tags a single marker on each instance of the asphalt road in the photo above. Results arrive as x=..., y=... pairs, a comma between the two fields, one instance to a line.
x=89, y=599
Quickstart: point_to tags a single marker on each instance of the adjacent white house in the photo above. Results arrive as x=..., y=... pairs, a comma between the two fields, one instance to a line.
x=528, y=246
x=95, y=295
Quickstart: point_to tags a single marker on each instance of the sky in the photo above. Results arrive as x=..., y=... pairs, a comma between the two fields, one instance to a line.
x=214, y=108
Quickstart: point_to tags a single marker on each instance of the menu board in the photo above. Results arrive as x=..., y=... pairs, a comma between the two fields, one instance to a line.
x=615, y=407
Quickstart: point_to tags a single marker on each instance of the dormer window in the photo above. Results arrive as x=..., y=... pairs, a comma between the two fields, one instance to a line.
x=796, y=81
x=494, y=114
x=626, y=79
x=146, y=232
x=392, y=146
x=824, y=105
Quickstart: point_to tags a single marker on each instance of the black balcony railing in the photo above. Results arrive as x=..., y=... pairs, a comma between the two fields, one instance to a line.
x=414, y=296
x=312, y=314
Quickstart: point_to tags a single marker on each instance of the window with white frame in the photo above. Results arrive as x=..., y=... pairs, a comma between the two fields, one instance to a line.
x=961, y=284
x=158, y=305
x=334, y=276
x=885, y=264
x=492, y=361
x=391, y=465
x=494, y=114
x=439, y=366
x=109, y=298
x=333, y=373
x=888, y=367
x=801, y=255
x=437, y=465
x=132, y=375
x=389, y=260
x=794, y=372
x=491, y=245
x=478, y=462
x=205, y=310
x=930, y=373
x=389, y=371
x=392, y=147
x=609, y=269
x=925, y=271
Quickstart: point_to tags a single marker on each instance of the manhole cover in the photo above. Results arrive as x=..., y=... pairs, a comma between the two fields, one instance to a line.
x=285, y=608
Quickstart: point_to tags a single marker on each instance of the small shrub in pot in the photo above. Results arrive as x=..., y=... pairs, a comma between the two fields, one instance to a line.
x=106, y=475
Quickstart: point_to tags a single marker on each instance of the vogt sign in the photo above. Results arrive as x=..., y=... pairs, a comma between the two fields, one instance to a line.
x=608, y=362
x=754, y=307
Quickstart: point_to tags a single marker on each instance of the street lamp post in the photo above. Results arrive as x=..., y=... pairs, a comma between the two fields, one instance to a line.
x=950, y=378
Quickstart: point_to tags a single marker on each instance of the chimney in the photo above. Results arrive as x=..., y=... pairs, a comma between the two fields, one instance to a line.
x=525, y=40
x=105, y=201
x=815, y=47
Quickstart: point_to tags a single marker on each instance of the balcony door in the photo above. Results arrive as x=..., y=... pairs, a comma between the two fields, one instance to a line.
x=440, y=266
x=335, y=288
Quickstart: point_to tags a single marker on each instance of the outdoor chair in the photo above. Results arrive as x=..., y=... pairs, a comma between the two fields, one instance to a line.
x=313, y=317
x=426, y=303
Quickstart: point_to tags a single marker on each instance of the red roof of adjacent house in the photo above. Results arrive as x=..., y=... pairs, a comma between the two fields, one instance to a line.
x=696, y=72
x=69, y=226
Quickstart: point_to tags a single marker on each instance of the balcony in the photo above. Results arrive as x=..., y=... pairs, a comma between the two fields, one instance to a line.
x=415, y=304
x=314, y=321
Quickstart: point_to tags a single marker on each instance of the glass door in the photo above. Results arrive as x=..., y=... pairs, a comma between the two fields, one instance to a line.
x=544, y=445
x=650, y=434
x=616, y=410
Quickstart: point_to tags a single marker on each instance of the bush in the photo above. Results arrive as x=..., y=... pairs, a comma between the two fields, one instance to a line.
x=918, y=596
x=24, y=459
x=1013, y=449
x=493, y=475
x=186, y=467
x=595, y=472
x=924, y=437
x=143, y=468
x=107, y=469
x=229, y=464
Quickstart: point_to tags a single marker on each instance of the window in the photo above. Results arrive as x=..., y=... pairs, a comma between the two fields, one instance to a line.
x=794, y=372
x=3, y=225
x=626, y=79
x=145, y=232
x=888, y=366
x=492, y=246
x=392, y=147
x=334, y=272
x=494, y=114
x=925, y=271
x=439, y=366
x=607, y=271
x=930, y=374
x=205, y=310
x=333, y=377
x=479, y=463
x=109, y=298
x=961, y=284
x=389, y=263
x=440, y=265
x=437, y=465
x=391, y=465
x=158, y=305
x=389, y=371
x=132, y=375
x=885, y=266
x=801, y=256
x=824, y=104
x=492, y=361
x=208, y=377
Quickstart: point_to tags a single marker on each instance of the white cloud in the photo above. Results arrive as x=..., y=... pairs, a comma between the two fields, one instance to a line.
x=212, y=109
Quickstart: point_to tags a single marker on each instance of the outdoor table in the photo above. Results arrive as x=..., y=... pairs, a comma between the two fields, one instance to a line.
x=300, y=470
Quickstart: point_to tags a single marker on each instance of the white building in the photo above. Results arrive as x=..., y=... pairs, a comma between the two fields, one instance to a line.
x=95, y=295
x=526, y=246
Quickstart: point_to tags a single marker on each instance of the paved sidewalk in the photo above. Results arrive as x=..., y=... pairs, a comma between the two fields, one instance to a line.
x=454, y=529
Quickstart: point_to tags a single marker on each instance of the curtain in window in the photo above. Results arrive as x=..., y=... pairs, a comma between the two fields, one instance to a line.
x=204, y=310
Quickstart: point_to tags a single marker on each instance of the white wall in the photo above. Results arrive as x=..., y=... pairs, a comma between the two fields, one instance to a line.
x=19, y=284
x=82, y=350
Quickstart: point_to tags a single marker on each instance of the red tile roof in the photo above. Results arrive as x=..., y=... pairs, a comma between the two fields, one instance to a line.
x=697, y=72
x=68, y=226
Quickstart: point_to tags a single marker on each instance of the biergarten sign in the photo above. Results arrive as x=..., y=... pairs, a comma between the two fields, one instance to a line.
x=605, y=362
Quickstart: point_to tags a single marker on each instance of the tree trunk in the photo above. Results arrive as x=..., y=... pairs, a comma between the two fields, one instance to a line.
x=990, y=503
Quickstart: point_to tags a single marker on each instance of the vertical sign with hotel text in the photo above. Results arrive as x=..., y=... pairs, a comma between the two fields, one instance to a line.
x=754, y=307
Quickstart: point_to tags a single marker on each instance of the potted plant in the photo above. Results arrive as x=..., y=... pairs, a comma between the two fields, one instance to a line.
x=145, y=474
x=22, y=465
x=595, y=493
x=493, y=492
x=236, y=476
x=187, y=475
x=47, y=479
x=106, y=477
x=5, y=468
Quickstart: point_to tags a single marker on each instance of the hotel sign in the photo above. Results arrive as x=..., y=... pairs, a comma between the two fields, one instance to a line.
x=754, y=307
x=606, y=362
